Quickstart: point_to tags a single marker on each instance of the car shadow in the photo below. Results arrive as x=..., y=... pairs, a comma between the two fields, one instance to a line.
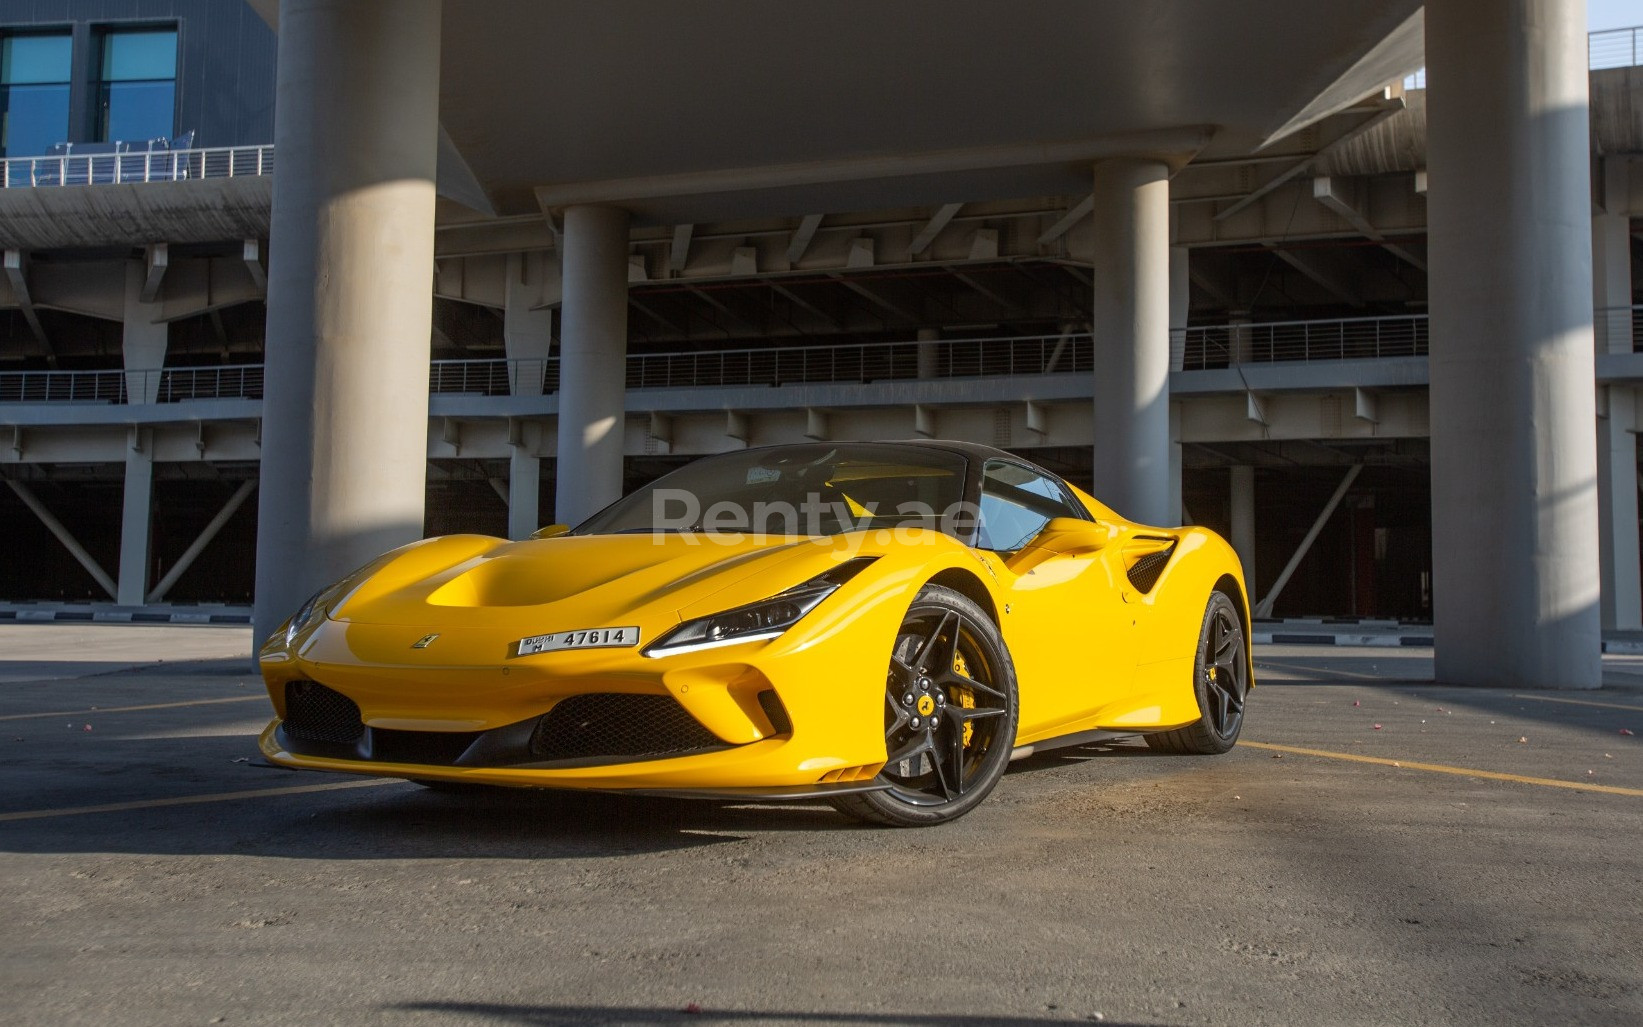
x=641, y=1016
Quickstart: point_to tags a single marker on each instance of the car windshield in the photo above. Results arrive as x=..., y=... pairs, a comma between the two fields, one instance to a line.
x=795, y=490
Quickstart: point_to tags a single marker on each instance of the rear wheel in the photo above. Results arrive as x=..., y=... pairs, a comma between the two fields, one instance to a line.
x=949, y=715
x=1220, y=676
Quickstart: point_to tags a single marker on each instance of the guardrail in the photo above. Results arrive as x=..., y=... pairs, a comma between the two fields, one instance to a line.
x=167, y=385
x=1618, y=329
x=136, y=166
x=1352, y=338
x=1615, y=48
x=1611, y=48
x=1200, y=347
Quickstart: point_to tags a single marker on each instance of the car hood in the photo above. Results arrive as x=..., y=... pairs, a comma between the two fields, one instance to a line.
x=470, y=579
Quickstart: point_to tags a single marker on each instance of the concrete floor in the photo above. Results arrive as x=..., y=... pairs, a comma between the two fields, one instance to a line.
x=1271, y=885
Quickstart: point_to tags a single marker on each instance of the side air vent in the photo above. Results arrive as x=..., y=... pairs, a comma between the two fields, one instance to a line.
x=318, y=714
x=611, y=724
x=1147, y=561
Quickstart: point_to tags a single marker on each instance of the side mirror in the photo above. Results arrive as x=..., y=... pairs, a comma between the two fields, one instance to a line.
x=1072, y=535
x=551, y=531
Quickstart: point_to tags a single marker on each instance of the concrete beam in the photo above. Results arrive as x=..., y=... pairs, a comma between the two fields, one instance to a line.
x=1324, y=271
x=933, y=228
x=801, y=237
x=64, y=536
x=156, y=258
x=1175, y=146
x=16, y=265
x=679, y=252
x=1377, y=114
x=209, y=532
x=1078, y=213
x=251, y=254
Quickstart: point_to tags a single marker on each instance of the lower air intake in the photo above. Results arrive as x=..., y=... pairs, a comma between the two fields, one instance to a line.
x=609, y=724
x=318, y=714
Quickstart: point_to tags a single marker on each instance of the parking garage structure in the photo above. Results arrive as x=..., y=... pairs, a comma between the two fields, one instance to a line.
x=1206, y=298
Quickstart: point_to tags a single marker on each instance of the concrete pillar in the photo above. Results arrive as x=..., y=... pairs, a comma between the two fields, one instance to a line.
x=524, y=492
x=1617, y=511
x=142, y=341
x=1130, y=319
x=136, y=520
x=1180, y=297
x=1180, y=303
x=929, y=354
x=1612, y=259
x=593, y=350
x=1514, y=468
x=527, y=332
x=350, y=284
x=1243, y=526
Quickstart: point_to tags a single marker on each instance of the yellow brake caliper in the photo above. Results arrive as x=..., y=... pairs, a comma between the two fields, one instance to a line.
x=966, y=697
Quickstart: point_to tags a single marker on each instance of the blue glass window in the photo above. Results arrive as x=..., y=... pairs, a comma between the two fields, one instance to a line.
x=137, y=89
x=34, y=77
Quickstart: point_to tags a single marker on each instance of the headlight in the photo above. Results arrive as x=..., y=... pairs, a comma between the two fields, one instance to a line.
x=304, y=616
x=755, y=621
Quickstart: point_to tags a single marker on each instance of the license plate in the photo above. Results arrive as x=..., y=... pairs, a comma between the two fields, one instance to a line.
x=582, y=638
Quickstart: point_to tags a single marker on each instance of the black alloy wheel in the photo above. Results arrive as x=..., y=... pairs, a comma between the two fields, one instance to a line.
x=1221, y=681
x=949, y=715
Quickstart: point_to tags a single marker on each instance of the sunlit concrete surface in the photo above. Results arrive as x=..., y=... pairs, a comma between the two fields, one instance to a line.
x=1265, y=886
x=35, y=652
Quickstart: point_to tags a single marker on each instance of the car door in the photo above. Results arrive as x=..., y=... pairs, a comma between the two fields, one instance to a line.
x=1070, y=632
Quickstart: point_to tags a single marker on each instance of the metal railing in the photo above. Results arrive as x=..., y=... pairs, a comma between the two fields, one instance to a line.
x=1615, y=48
x=137, y=166
x=1351, y=338
x=1611, y=48
x=495, y=377
x=167, y=385
x=1618, y=329
x=1200, y=347
x=865, y=362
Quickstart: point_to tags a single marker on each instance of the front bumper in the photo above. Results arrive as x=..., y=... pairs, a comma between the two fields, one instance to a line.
x=759, y=716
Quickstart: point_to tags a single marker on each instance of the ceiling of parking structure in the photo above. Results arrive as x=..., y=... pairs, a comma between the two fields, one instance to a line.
x=686, y=112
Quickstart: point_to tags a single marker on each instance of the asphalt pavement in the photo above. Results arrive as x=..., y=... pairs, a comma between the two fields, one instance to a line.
x=1377, y=850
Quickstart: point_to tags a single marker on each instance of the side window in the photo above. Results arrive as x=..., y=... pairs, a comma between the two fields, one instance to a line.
x=1016, y=503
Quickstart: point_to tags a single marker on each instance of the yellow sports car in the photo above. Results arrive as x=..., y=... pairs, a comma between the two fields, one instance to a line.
x=881, y=625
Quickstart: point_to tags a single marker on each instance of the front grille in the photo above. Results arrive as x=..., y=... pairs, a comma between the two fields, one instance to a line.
x=319, y=714
x=1143, y=573
x=436, y=747
x=610, y=724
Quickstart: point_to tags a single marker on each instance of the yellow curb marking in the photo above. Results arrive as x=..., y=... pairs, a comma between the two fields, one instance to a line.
x=1439, y=768
x=130, y=709
x=1580, y=702
x=191, y=800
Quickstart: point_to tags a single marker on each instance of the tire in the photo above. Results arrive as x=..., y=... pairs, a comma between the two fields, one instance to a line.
x=1220, y=676
x=949, y=717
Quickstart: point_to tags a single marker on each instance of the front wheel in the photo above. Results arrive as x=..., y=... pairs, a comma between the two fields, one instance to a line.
x=949, y=715
x=1220, y=676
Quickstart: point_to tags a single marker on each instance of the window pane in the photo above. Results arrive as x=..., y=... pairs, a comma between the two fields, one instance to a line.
x=135, y=111
x=34, y=59
x=1016, y=503
x=32, y=119
x=139, y=55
